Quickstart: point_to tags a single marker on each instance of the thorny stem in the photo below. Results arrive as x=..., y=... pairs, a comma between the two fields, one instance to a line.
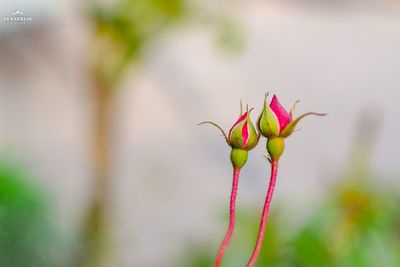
x=274, y=171
x=231, y=227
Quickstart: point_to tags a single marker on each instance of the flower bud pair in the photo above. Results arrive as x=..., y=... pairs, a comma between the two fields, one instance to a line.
x=274, y=123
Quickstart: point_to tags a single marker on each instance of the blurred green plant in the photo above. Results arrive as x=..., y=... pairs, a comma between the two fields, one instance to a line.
x=123, y=29
x=356, y=226
x=27, y=234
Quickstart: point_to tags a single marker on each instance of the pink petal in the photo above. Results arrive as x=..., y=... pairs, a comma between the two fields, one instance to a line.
x=281, y=114
x=245, y=134
x=243, y=117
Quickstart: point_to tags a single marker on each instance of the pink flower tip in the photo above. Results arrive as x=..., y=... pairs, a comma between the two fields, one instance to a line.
x=280, y=112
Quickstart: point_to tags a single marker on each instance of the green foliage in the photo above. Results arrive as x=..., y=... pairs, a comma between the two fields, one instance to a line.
x=123, y=29
x=356, y=226
x=27, y=237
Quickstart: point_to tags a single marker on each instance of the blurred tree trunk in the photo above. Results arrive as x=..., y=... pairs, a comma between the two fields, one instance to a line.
x=96, y=228
x=120, y=33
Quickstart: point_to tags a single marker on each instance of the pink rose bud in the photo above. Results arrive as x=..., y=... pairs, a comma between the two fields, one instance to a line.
x=243, y=135
x=275, y=122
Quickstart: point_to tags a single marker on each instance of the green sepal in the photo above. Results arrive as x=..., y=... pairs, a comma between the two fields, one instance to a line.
x=219, y=127
x=253, y=137
x=267, y=123
x=275, y=147
x=239, y=157
x=292, y=125
x=236, y=140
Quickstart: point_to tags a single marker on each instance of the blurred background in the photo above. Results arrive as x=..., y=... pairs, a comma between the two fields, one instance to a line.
x=102, y=164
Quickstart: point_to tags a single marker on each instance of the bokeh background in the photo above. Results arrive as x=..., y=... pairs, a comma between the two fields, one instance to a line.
x=102, y=163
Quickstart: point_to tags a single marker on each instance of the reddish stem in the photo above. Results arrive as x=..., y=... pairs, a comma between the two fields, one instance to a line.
x=231, y=227
x=274, y=171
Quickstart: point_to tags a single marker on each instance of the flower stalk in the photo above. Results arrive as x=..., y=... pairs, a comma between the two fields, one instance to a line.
x=265, y=212
x=231, y=227
x=242, y=137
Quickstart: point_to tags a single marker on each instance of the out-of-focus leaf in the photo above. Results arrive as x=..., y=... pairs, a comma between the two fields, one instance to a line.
x=27, y=235
x=357, y=225
x=123, y=29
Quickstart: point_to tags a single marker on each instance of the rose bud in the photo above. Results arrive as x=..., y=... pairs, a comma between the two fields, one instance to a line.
x=275, y=123
x=242, y=137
